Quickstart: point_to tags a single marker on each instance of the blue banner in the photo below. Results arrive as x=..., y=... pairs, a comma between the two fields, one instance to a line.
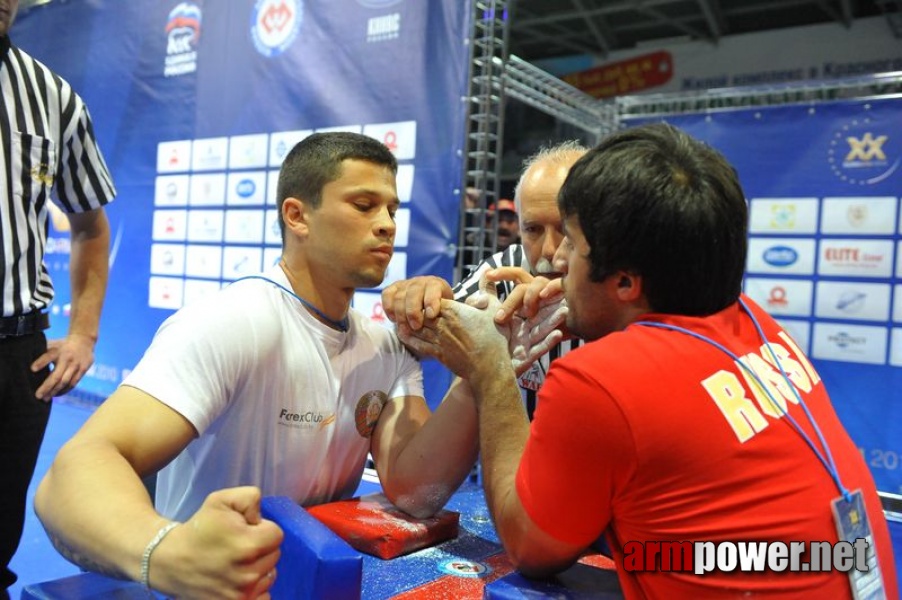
x=195, y=104
x=825, y=248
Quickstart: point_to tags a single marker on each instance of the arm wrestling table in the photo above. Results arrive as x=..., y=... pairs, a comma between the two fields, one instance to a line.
x=316, y=563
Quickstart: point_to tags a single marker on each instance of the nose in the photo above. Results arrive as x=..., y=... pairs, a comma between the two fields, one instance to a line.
x=560, y=259
x=551, y=243
x=385, y=224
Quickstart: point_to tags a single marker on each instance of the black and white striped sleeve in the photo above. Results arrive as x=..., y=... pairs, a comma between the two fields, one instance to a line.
x=512, y=256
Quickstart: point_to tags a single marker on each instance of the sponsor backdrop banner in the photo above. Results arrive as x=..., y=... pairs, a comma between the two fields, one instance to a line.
x=195, y=105
x=825, y=249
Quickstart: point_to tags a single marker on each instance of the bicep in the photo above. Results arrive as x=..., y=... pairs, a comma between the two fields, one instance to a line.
x=146, y=432
x=399, y=421
x=529, y=548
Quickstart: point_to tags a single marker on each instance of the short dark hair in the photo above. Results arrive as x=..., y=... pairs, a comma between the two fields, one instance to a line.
x=316, y=160
x=653, y=201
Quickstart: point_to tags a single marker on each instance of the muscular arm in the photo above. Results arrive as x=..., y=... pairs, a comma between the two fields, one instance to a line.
x=421, y=458
x=466, y=341
x=503, y=431
x=92, y=501
x=89, y=269
x=98, y=513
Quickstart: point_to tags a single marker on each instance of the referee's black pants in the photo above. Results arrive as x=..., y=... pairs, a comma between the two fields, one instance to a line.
x=23, y=419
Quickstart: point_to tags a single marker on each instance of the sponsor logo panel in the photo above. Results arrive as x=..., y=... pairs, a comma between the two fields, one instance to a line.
x=209, y=154
x=405, y=182
x=781, y=296
x=174, y=156
x=855, y=257
x=208, y=189
x=167, y=259
x=895, y=355
x=370, y=305
x=171, y=190
x=783, y=215
x=170, y=225
x=400, y=138
x=244, y=226
x=272, y=232
x=247, y=188
x=850, y=343
x=248, y=151
x=205, y=225
x=866, y=216
x=281, y=143
x=851, y=300
x=203, y=261
x=402, y=227
x=165, y=292
x=238, y=261
x=781, y=255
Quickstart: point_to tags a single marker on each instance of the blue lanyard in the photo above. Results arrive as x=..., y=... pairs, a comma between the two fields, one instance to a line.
x=827, y=461
x=341, y=325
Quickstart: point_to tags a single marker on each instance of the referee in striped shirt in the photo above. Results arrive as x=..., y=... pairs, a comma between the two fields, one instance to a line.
x=541, y=233
x=48, y=145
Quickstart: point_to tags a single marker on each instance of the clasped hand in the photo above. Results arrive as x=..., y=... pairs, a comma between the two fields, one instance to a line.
x=484, y=331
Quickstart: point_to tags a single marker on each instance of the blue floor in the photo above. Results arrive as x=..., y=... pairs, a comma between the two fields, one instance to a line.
x=38, y=561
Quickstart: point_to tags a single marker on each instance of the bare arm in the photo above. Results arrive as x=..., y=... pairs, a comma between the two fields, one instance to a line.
x=73, y=355
x=466, y=341
x=98, y=513
x=422, y=459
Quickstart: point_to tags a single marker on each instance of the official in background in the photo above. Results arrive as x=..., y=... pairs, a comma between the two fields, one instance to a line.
x=48, y=146
x=540, y=231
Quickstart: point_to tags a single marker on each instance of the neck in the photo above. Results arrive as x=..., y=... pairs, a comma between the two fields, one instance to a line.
x=334, y=314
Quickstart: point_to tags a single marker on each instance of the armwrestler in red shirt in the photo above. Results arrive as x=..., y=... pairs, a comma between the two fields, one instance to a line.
x=688, y=416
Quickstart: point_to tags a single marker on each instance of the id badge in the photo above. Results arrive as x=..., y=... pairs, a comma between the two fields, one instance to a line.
x=852, y=524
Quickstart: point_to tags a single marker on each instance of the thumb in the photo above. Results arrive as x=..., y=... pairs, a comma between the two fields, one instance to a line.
x=244, y=500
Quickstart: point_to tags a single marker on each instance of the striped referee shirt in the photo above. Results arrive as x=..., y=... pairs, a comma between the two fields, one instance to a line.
x=48, y=147
x=514, y=256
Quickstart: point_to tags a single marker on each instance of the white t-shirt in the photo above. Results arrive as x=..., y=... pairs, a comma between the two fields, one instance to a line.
x=279, y=399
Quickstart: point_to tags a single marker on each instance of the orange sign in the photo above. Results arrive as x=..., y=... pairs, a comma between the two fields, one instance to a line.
x=624, y=77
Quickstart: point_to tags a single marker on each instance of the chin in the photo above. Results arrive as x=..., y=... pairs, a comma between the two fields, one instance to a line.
x=576, y=331
x=369, y=280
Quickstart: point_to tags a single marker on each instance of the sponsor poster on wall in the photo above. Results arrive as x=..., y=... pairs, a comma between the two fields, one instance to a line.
x=195, y=104
x=825, y=248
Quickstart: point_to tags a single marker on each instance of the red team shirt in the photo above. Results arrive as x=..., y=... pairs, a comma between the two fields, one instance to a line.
x=653, y=435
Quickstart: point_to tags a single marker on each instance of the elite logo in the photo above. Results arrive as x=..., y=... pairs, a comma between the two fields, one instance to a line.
x=275, y=25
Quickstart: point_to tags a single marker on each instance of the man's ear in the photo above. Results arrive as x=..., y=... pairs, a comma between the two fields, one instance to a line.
x=295, y=214
x=629, y=286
